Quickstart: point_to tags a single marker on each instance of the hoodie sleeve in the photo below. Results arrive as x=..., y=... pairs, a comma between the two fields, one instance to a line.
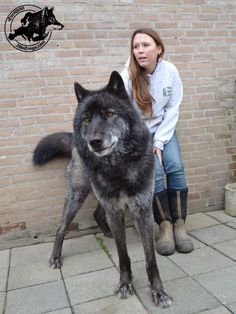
x=125, y=76
x=166, y=129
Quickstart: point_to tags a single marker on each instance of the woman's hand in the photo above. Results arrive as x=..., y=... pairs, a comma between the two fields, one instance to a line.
x=158, y=152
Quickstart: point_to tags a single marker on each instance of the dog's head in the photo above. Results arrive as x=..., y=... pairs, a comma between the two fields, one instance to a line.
x=103, y=118
x=50, y=20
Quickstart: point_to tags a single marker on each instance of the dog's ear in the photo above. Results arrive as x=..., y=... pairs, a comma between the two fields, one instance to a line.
x=80, y=92
x=45, y=10
x=116, y=85
x=52, y=8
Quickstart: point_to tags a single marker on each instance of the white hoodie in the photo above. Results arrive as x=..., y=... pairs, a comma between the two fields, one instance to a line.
x=166, y=88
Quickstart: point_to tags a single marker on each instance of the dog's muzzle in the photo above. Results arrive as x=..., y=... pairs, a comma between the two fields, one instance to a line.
x=96, y=144
x=101, y=147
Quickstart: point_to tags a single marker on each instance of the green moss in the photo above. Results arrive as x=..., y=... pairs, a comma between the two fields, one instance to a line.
x=103, y=246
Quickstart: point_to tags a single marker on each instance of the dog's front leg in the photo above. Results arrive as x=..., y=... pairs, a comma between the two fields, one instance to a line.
x=116, y=221
x=77, y=189
x=72, y=204
x=145, y=224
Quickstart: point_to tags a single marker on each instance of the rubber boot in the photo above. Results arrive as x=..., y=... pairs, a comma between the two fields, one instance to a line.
x=182, y=242
x=178, y=209
x=165, y=239
x=165, y=244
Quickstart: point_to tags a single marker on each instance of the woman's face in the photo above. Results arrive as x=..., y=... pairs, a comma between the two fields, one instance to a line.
x=146, y=51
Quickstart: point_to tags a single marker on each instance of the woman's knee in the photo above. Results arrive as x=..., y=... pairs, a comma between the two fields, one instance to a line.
x=175, y=166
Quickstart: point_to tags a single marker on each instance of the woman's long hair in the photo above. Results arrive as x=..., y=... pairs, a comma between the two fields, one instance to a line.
x=138, y=76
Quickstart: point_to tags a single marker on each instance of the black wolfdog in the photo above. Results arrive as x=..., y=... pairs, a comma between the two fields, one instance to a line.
x=111, y=153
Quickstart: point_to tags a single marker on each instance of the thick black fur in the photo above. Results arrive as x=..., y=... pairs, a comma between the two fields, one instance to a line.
x=112, y=156
x=60, y=146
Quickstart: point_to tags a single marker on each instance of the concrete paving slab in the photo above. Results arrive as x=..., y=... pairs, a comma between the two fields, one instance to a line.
x=111, y=305
x=188, y=297
x=86, y=262
x=231, y=224
x=86, y=287
x=227, y=248
x=4, y=258
x=168, y=271
x=62, y=311
x=201, y=261
x=132, y=236
x=232, y=308
x=135, y=251
x=214, y=234
x=80, y=245
x=37, y=299
x=220, y=283
x=91, y=278
x=196, y=244
x=42, y=252
x=199, y=221
x=218, y=310
x=221, y=216
x=31, y=254
x=106, y=242
x=3, y=279
x=32, y=274
x=2, y=301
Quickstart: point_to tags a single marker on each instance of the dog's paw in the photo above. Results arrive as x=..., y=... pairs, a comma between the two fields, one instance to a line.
x=161, y=298
x=123, y=290
x=55, y=262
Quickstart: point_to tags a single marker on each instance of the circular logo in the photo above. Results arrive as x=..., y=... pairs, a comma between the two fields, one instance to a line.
x=28, y=27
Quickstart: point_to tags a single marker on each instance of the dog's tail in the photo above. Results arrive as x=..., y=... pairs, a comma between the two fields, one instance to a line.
x=53, y=146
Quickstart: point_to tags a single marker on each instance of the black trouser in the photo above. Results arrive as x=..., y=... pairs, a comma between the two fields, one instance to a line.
x=170, y=205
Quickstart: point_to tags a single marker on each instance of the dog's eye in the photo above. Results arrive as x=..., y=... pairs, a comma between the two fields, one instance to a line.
x=109, y=114
x=86, y=119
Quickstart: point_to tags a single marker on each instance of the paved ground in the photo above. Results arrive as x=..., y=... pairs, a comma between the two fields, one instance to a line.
x=203, y=281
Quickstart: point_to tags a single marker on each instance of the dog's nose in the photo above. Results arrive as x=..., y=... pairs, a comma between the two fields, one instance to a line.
x=96, y=143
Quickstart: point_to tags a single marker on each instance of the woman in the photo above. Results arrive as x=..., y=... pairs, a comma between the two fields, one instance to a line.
x=155, y=89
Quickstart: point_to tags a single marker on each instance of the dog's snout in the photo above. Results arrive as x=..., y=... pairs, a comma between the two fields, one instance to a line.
x=96, y=143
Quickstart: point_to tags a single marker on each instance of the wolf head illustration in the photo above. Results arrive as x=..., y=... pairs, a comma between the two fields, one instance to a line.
x=36, y=26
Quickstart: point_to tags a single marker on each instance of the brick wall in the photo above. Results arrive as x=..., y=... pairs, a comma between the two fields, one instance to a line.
x=37, y=98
